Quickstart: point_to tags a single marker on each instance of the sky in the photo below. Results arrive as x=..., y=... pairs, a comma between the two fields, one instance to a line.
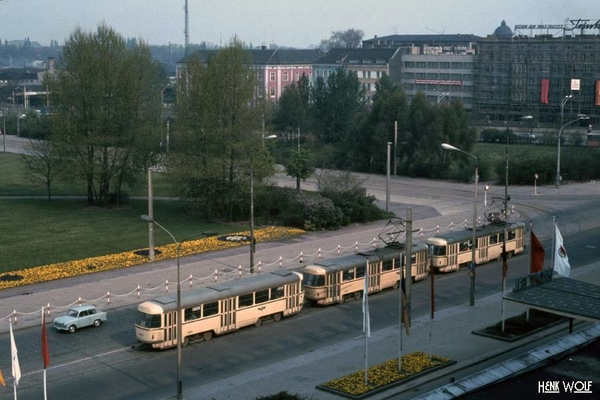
x=300, y=24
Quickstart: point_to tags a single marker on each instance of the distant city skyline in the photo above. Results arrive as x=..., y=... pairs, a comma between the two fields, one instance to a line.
x=285, y=23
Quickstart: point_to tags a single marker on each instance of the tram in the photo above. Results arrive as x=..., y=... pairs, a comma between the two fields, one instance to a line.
x=451, y=251
x=339, y=279
x=219, y=308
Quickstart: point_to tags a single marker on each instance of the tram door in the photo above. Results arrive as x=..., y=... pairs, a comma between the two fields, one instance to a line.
x=293, y=298
x=170, y=331
x=452, y=260
x=333, y=286
x=374, y=278
x=228, y=320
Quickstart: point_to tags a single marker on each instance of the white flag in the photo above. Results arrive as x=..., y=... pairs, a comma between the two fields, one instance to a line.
x=561, y=260
x=16, y=370
x=365, y=304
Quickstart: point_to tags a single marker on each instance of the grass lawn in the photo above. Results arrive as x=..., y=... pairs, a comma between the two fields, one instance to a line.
x=38, y=232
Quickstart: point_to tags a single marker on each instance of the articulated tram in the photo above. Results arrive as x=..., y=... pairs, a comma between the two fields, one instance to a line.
x=219, y=308
x=451, y=251
x=339, y=279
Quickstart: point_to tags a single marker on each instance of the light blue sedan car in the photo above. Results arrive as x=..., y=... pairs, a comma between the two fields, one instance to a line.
x=80, y=317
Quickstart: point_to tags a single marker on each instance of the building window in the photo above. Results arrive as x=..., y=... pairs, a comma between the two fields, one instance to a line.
x=285, y=76
x=272, y=91
x=272, y=76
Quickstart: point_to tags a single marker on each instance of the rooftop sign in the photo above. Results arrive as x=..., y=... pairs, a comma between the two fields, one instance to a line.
x=571, y=26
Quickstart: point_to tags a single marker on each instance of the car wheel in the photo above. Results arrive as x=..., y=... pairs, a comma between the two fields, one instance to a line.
x=72, y=328
x=97, y=322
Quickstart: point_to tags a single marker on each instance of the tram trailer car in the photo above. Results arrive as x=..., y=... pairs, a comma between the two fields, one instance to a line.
x=339, y=279
x=451, y=251
x=219, y=308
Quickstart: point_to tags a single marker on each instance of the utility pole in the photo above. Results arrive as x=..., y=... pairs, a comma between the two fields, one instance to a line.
x=187, y=28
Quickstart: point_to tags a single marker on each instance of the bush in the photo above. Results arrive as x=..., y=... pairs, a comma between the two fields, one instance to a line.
x=282, y=396
x=321, y=214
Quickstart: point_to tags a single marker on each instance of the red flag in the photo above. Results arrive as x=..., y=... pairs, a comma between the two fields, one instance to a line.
x=2, y=382
x=45, y=352
x=537, y=254
x=404, y=305
x=597, y=96
x=544, y=91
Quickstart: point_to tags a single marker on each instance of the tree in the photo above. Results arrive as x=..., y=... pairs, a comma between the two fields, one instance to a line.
x=367, y=149
x=106, y=121
x=300, y=165
x=219, y=135
x=348, y=39
x=42, y=163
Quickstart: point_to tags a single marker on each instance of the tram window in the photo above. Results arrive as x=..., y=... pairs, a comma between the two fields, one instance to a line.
x=388, y=265
x=147, y=320
x=493, y=239
x=246, y=300
x=413, y=259
x=501, y=238
x=314, y=280
x=360, y=272
x=512, y=235
x=192, y=313
x=211, y=309
x=277, y=293
x=261, y=296
x=438, y=250
x=464, y=246
x=348, y=275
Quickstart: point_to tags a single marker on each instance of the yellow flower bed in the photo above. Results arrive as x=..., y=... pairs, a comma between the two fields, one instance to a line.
x=129, y=258
x=385, y=374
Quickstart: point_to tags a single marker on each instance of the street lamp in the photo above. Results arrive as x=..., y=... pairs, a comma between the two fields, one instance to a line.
x=18, y=116
x=147, y=218
x=162, y=106
x=252, y=245
x=558, y=152
x=441, y=96
x=562, y=106
x=447, y=146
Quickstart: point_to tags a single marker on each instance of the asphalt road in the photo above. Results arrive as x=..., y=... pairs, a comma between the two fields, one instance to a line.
x=109, y=360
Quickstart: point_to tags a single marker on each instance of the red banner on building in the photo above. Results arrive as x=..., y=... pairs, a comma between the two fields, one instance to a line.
x=597, y=96
x=545, y=90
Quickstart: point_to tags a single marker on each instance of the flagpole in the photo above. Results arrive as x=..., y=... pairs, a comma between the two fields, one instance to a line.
x=553, y=239
x=530, y=260
x=366, y=321
x=44, y=349
x=400, y=308
x=432, y=311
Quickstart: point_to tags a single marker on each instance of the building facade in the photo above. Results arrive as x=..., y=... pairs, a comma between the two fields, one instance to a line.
x=548, y=71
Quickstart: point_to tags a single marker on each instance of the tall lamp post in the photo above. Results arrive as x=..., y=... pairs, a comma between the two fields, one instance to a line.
x=147, y=218
x=252, y=244
x=441, y=96
x=557, y=183
x=18, y=116
x=447, y=146
x=162, y=103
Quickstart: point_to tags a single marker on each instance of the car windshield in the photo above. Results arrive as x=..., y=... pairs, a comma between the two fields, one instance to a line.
x=72, y=313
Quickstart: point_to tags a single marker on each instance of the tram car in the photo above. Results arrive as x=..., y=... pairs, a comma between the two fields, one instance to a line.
x=219, y=308
x=339, y=279
x=451, y=251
